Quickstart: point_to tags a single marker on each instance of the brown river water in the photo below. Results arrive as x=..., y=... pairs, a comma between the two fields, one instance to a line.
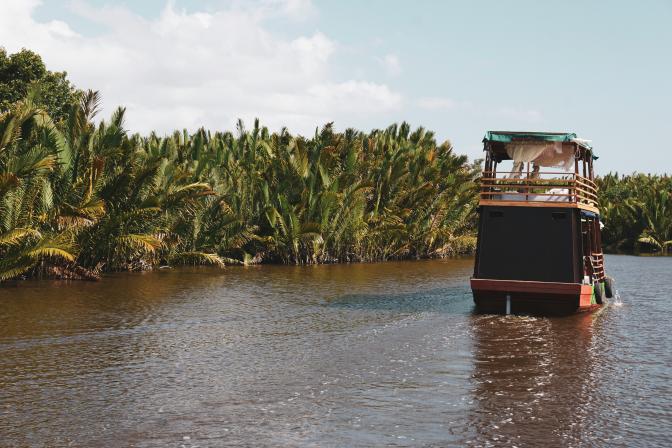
x=358, y=355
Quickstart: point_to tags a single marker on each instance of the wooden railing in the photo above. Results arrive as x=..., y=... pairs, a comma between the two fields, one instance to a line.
x=538, y=187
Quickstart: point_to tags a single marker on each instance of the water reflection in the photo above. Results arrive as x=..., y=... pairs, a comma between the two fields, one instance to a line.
x=532, y=372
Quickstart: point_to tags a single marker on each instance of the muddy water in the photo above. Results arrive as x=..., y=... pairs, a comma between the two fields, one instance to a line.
x=352, y=355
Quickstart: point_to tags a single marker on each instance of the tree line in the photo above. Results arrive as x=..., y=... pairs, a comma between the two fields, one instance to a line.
x=637, y=212
x=79, y=198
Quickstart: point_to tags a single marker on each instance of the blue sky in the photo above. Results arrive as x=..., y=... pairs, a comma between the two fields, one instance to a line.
x=601, y=69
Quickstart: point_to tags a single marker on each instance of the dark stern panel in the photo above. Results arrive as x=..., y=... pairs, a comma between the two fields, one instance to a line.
x=528, y=243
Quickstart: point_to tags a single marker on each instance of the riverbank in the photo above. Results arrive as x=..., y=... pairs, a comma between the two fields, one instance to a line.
x=79, y=275
x=60, y=276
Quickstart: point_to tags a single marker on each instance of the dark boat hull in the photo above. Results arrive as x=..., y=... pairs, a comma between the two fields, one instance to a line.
x=530, y=297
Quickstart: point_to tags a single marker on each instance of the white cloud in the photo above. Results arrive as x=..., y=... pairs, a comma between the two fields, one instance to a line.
x=201, y=69
x=391, y=64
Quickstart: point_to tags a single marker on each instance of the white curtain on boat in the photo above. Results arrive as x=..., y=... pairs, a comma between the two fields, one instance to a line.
x=525, y=152
x=548, y=154
x=522, y=153
x=556, y=155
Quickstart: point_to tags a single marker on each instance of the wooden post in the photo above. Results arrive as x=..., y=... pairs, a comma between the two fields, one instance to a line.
x=527, y=182
x=589, y=235
x=599, y=237
x=585, y=175
x=488, y=168
x=576, y=171
x=575, y=258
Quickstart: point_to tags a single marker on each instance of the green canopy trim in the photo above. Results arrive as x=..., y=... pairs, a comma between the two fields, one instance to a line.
x=508, y=137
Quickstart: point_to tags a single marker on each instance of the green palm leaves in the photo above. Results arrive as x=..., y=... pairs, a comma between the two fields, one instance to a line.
x=655, y=209
x=28, y=161
x=637, y=209
x=80, y=195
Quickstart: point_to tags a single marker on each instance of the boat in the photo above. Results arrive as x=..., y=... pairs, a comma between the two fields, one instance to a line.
x=539, y=248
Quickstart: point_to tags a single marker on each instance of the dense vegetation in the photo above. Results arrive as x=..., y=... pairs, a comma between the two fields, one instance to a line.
x=637, y=212
x=77, y=199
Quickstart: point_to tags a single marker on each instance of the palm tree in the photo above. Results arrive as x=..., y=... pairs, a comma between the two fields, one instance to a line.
x=656, y=210
x=29, y=154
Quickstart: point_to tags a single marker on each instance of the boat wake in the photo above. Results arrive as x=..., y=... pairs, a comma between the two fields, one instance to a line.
x=616, y=301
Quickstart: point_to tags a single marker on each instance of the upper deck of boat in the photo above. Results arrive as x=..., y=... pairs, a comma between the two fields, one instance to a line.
x=567, y=180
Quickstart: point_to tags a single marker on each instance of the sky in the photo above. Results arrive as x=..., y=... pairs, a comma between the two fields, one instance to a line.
x=602, y=69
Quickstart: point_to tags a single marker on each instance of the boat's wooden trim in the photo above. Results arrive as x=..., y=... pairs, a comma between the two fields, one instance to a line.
x=505, y=193
x=507, y=173
x=579, y=189
x=482, y=284
x=549, y=204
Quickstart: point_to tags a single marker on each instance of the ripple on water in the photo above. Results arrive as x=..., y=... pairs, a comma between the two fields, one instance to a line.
x=347, y=355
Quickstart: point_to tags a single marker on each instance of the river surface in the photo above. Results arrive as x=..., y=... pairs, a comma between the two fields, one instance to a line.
x=358, y=355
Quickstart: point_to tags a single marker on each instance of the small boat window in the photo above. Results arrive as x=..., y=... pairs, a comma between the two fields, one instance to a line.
x=559, y=215
x=496, y=214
